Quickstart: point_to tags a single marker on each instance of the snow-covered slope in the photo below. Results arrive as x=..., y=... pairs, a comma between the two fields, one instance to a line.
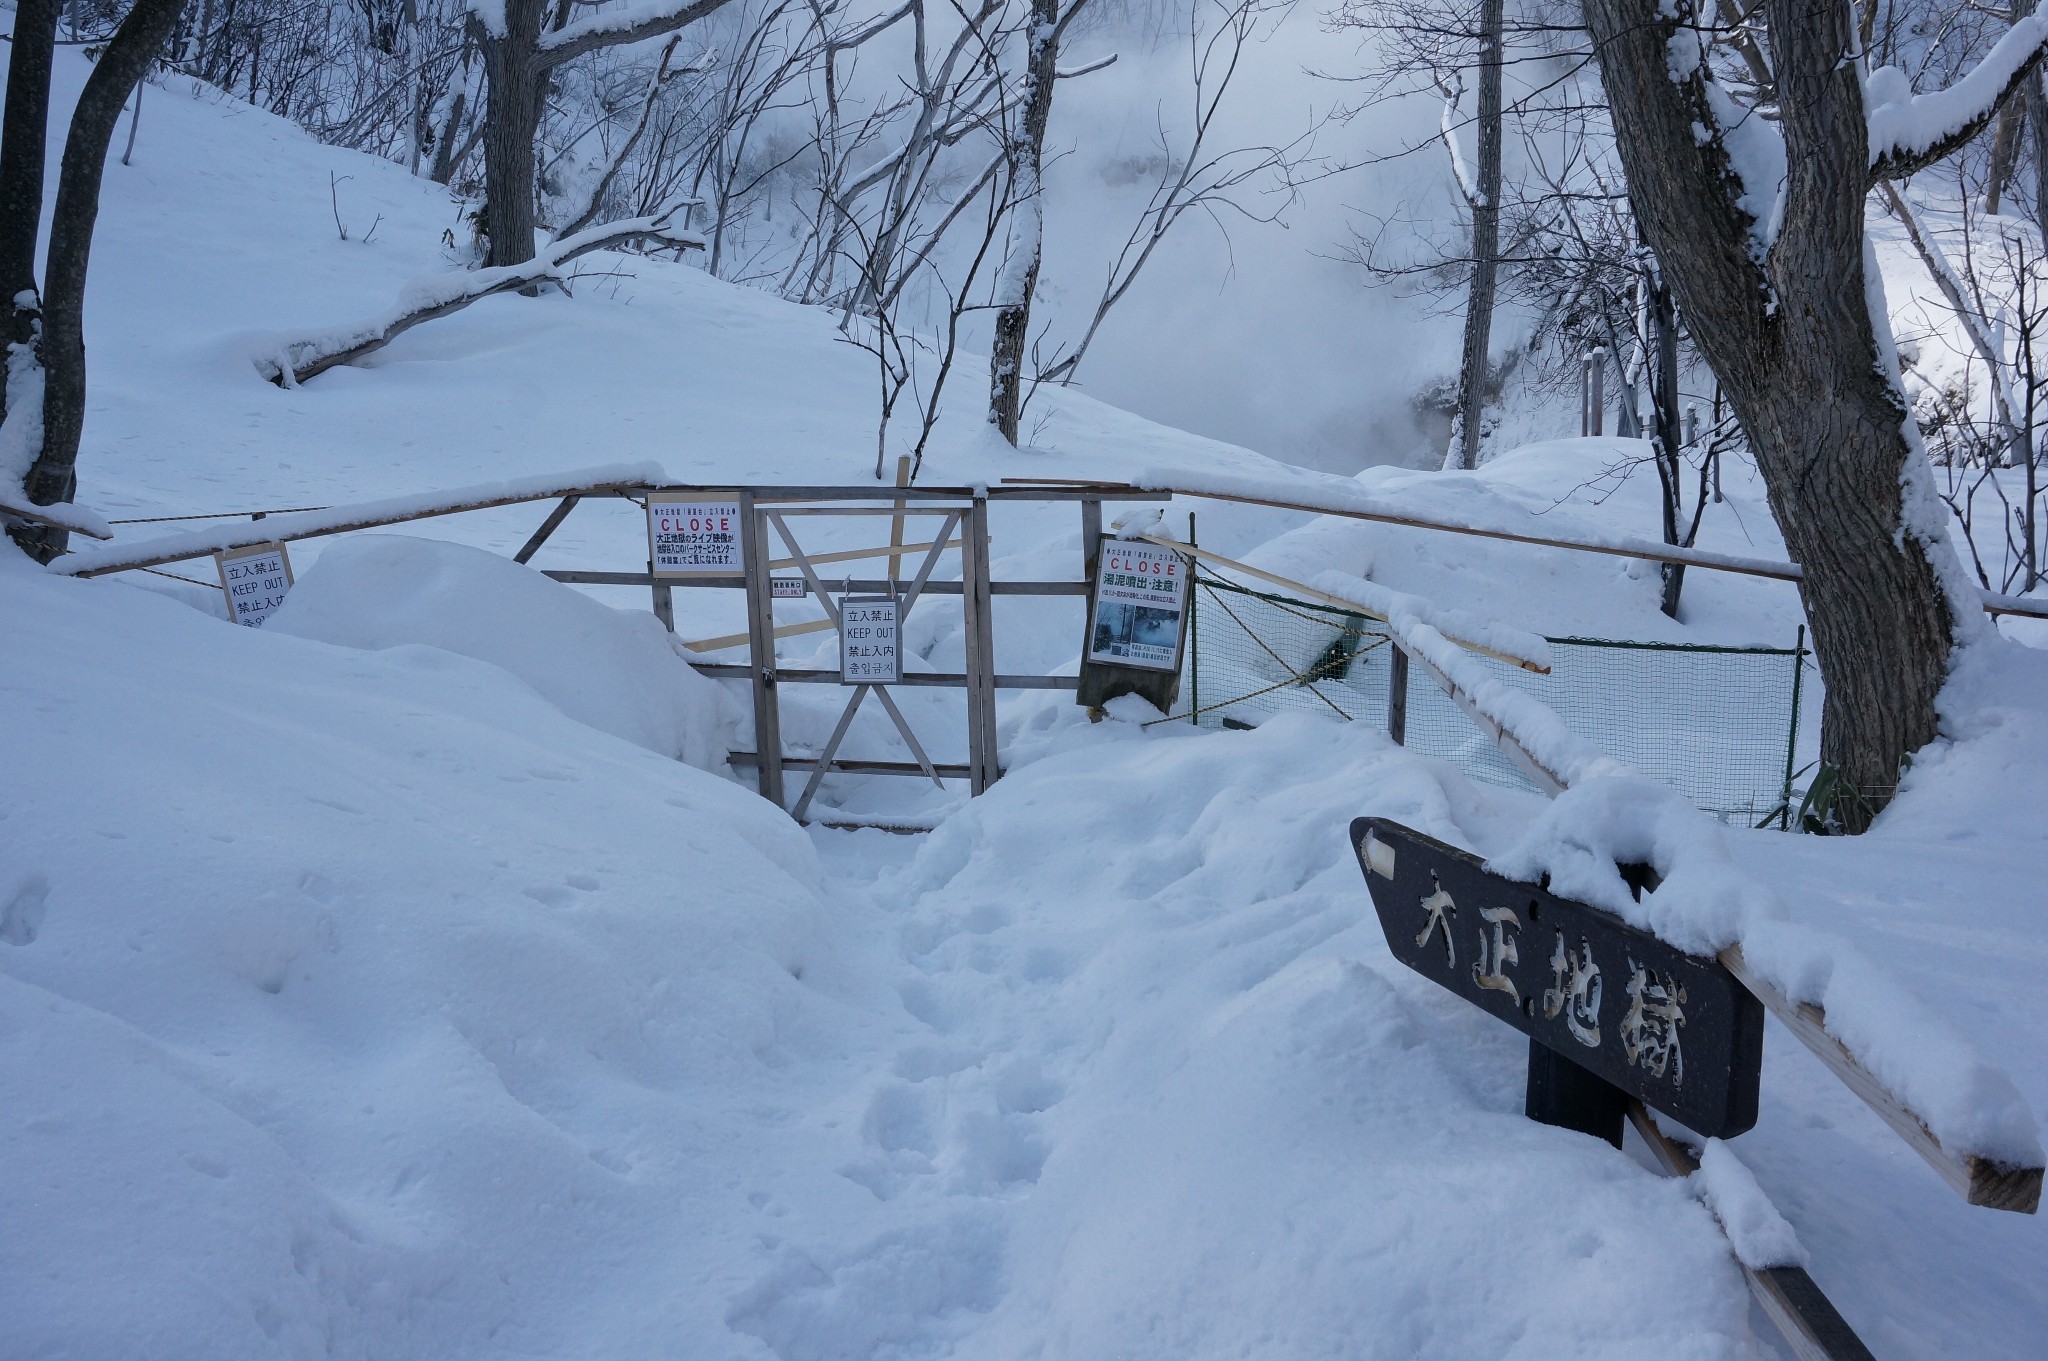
x=377, y=985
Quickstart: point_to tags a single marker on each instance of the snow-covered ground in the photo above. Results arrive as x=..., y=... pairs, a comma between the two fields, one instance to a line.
x=407, y=978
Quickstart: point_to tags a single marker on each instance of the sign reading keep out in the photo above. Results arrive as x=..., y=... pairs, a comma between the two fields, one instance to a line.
x=869, y=651
x=255, y=580
x=688, y=535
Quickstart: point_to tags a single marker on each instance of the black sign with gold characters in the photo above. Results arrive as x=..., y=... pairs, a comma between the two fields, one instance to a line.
x=1674, y=1030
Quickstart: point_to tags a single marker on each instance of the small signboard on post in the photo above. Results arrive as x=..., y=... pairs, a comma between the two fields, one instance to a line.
x=1626, y=1013
x=255, y=580
x=869, y=651
x=689, y=534
x=1137, y=624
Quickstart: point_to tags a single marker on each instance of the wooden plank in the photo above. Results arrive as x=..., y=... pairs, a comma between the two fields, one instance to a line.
x=1334, y=601
x=859, y=767
x=547, y=527
x=1543, y=777
x=1808, y=1321
x=291, y=527
x=953, y=679
x=893, y=552
x=1691, y=557
x=761, y=649
x=980, y=649
x=726, y=640
x=579, y=577
x=869, y=585
x=1993, y=602
x=13, y=507
x=1979, y=1180
x=1397, y=696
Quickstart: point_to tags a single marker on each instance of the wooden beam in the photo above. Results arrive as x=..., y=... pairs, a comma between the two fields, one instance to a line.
x=547, y=527
x=891, y=551
x=296, y=525
x=1807, y=1320
x=726, y=640
x=1334, y=601
x=1980, y=1181
x=1642, y=550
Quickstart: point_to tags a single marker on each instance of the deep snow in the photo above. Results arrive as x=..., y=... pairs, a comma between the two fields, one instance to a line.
x=377, y=984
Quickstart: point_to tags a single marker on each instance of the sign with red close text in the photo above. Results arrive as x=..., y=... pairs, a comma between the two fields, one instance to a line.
x=689, y=534
x=1140, y=596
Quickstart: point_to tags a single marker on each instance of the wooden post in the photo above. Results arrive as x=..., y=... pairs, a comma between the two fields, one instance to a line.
x=1397, y=693
x=1596, y=397
x=761, y=650
x=664, y=601
x=1563, y=1094
x=896, y=521
x=977, y=602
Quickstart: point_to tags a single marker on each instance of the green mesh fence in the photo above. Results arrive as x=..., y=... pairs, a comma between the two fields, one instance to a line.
x=1718, y=723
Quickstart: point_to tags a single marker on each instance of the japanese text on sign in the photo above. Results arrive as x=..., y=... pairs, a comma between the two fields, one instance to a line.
x=1672, y=1029
x=868, y=653
x=688, y=537
x=1140, y=594
x=255, y=581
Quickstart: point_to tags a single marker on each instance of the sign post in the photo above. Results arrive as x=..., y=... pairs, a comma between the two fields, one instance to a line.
x=690, y=534
x=255, y=580
x=869, y=638
x=1611, y=1011
x=1137, y=624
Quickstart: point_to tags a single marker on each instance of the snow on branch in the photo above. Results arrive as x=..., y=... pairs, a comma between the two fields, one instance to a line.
x=616, y=27
x=1909, y=131
x=438, y=295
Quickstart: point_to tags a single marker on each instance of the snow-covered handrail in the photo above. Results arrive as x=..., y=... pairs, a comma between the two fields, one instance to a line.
x=1326, y=494
x=77, y=519
x=1355, y=594
x=308, y=524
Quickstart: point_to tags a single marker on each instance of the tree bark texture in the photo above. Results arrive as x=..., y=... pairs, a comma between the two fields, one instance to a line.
x=514, y=76
x=24, y=129
x=516, y=67
x=1792, y=340
x=1664, y=429
x=1474, y=370
x=1020, y=274
x=53, y=476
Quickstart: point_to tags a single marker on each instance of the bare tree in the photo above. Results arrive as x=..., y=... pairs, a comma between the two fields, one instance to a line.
x=1025, y=151
x=1195, y=176
x=520, y=46
x=52, y=477
x=1763, y=242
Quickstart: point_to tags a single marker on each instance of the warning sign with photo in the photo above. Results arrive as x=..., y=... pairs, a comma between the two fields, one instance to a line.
x=1140, y=595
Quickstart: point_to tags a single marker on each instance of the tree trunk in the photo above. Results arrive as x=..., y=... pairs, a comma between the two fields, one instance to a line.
x=512, y=120
x=2037, y=125
x=1794, y=345
x=53, y=477
x=1664, y=428
x=2004, y=142
x=1474, y=370
x=24, y=129
x=1020, y=272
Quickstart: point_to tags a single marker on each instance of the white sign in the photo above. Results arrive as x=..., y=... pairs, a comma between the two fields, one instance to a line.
x=1140, y=594
x=787, y=588
x=688, y=536
x=868, y=651
x=255, y=580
